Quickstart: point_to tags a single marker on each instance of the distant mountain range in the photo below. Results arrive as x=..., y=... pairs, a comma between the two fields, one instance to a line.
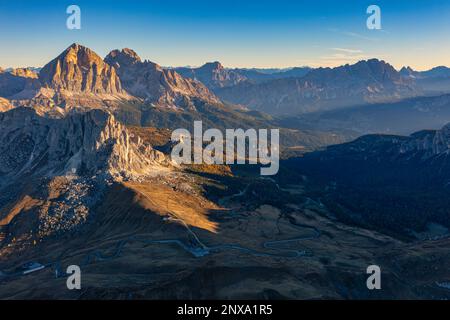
x=403, y=117
x=215, y=76
x=433, y=81
x=325, y=88
x=303, y=89
x=437, y=72
x=79, y=77
x=34, y=69
x=369, y=96
x=123, y=77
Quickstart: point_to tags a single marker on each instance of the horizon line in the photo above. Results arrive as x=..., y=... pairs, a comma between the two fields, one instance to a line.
x=397, y=68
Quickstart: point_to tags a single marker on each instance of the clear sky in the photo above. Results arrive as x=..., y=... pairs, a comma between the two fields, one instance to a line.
x=244, y=33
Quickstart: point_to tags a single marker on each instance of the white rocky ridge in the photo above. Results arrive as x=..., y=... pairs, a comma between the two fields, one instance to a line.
x=88, y=143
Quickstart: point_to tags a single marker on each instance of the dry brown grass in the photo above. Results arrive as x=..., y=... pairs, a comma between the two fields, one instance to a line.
x=153, y=136
x=216, y=169
x=24, y=204
x=191, y=210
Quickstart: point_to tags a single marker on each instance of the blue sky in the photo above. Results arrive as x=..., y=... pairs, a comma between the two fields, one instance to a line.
x=245, y=33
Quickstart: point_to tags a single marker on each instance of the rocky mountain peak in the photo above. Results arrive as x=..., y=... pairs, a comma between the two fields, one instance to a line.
x=406, y=69
x=124, y=57
x=408, y=72
x=213, y=75
x=378, y=70
x=79, y=69
x=212, y=66
x=372, y=71
x=160, y=86
x=80, y=55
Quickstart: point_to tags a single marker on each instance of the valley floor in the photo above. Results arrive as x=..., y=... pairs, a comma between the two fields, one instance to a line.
x=150, y=241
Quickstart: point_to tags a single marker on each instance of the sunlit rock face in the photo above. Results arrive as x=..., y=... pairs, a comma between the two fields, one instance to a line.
x=5, y=105
x=80, y=69
x=162, y=87
x=81, y=143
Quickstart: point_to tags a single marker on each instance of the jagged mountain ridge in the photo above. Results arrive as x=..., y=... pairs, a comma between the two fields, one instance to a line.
x=213, y=75
x=426, y=147
x=324, y=88
x=160, y=86
x=88, y=143
x=80, y=79
x=436, y=72
x=137, y=92
x=433, y=81
x=427, y=151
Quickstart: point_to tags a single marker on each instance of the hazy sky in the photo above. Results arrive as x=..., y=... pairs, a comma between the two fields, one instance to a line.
x=245, y=33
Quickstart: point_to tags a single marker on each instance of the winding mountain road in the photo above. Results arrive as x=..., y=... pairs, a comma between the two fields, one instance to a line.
x=197, y=249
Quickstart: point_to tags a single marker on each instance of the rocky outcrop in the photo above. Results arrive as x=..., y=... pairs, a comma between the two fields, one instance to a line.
x=148, y=80
x=215, y=76
x=54, y=172
x=91, y=143
x=408, y=72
